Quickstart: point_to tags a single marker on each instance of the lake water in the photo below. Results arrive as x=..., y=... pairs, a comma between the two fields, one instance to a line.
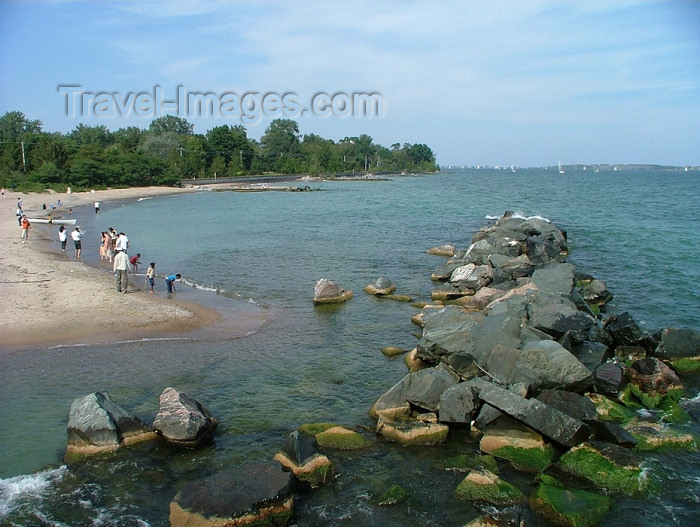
x=262, y=253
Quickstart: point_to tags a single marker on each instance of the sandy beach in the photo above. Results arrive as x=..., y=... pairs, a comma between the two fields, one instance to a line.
x=49, y=298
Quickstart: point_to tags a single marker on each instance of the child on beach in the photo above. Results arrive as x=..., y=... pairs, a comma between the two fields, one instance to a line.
x=150, y=275
x=170, y=282
x=25, y=228
x=63, y=237
x=77, y=237
x=134, y=261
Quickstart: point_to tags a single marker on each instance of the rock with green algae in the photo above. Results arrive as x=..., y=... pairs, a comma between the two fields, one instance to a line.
x=655, y=436
x=485, y=486
x=567, y=507
x=609, y=467
x=686, y=365
x=412, y=432
x=523, y=447
x=315, y=472
x=609, y=410
x=467, y=463
x=340, y=438
x=393, y=496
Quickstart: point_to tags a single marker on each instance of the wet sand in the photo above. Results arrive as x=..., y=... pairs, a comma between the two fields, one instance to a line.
x=50, y=299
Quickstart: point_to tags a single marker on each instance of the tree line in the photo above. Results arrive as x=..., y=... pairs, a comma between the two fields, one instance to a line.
x=169, y=151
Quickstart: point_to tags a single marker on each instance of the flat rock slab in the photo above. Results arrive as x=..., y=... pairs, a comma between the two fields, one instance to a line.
x=256, y=493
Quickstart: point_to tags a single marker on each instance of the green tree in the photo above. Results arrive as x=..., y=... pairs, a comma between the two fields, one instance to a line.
x=171, y=124
x=84, y=135
x=15, y=124
x=280, y=143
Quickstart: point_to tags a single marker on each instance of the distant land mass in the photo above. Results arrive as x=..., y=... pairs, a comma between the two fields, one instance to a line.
x=589, y=167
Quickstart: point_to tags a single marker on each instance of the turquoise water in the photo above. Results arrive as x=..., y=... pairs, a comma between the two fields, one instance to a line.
x=263, y=253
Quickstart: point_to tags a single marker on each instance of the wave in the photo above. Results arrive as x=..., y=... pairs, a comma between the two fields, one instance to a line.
x=520, y=215
x=211, y=288
x=18, y=490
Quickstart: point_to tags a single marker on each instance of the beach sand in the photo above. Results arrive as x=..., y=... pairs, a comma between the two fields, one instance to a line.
x=49, y=298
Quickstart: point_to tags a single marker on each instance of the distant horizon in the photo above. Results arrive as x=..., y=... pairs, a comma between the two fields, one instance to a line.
x=522, y=83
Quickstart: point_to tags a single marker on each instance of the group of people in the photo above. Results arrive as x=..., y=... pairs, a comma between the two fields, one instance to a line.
x=75, y=235
x=114, y=247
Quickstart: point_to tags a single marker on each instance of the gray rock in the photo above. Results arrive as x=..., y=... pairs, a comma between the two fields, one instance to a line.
x=624, y=329
x=424, y=388
x=381, y=286
x=460, y=403
x=555, y=278
x=546, y=364
x=573, y=404
x=328, y=292
x=182, y=420
x=591, y=354
x=677, y=343
x=260, y=493
x=97, y=423
x=608, y=379
x=300, y=447
x=548, y=421
x=555, y=314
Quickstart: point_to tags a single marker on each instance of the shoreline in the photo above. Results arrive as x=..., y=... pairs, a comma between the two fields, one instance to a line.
x=51, y=299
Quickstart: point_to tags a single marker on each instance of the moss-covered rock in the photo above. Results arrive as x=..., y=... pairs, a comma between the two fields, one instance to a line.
x=413, y=432
x=483, y=485
x=316, y=472
x=686, y=365
x=568, y=507
x=522, y=446
x=611, y=468
x=655, y=436
x=340, y=438
x=394, y=495
x=673, y=412
x=609, y=410
x=315, y=428
x=467, y=463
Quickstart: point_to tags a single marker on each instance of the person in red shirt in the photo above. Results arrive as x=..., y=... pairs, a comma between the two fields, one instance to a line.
x=134, y=261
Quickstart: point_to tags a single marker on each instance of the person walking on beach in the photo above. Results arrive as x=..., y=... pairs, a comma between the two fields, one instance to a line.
x=121, y=270
x=25, y=228
x=97, y=207
x=170, y=282
x=151, y=275
x=122, y=243
x=63, y=237
x=77, y=237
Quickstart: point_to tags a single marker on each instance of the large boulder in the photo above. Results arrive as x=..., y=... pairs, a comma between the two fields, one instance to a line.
x=260, y=494
x=624, y=329
x=681, y=347
x=328, y=292
x=485, y=486
x=556, y=315
x=653, y=377
x=547, y=420
x=568, y=507
x=546, y=364
x=555, y=278
x=182, y=420
x=97, y=424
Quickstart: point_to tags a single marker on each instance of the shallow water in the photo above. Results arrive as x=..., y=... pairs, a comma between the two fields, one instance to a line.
x=264, y=252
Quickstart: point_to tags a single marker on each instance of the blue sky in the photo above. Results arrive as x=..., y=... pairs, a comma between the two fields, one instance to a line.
x=493, y=83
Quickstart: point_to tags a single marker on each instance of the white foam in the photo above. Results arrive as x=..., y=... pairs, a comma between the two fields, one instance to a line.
x=19, y=488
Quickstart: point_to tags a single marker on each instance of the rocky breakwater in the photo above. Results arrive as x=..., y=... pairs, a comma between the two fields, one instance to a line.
x=515, y=349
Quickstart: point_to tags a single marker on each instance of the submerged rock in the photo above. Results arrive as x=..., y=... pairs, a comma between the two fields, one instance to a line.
x=260, y=494
x=381, y=286
x=568, y=507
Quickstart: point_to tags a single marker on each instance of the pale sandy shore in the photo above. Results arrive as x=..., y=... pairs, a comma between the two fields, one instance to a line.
x=49, y=299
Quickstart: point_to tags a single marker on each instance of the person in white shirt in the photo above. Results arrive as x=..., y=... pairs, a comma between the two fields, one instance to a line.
x=121, y=271
x=122, y=243
x=77, y=236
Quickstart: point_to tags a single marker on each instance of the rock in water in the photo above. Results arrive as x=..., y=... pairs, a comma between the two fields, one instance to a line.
x=260, y=494
x=97, y=424
x=328, y=292
x=182, y=420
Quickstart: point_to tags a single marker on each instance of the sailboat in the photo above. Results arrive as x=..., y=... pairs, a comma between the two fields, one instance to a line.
x=561, y=170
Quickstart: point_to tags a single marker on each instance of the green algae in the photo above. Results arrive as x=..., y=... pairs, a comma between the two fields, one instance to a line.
x=467, y=463
x=491, y=490
x=568, y=507
x=528, y=459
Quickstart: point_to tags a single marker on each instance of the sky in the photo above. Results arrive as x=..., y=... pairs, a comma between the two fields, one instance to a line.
x=523, y=83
